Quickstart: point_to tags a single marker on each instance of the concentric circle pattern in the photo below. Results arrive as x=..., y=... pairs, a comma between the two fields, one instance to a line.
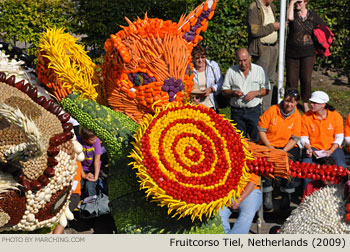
x=190, y=159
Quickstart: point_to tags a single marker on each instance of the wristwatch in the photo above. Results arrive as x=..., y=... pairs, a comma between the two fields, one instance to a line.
x=259, y=94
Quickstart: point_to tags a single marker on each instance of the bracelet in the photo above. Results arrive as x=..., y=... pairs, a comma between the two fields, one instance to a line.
x=240, y=199
x=212, y=89
x=331, y=150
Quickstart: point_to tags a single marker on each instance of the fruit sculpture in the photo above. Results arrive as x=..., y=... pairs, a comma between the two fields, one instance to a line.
x=148, y=64
x=186, y=158
x=37, y=158
x=190, y=159
x=323, y=212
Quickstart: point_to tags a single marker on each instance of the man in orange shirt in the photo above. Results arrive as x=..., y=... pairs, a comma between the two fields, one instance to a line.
x=279, y=127
x=322, y=129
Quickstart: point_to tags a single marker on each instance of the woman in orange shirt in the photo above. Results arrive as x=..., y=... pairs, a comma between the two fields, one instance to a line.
x=322, y=129
x=279, y=127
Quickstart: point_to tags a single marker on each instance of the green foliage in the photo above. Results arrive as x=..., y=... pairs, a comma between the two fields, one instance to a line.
x=25, y=20
x=227, y=32
x=134, y=214
x=99, y=19
x=336, y=13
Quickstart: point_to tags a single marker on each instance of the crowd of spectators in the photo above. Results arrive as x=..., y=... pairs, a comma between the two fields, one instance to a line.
x=312, y=137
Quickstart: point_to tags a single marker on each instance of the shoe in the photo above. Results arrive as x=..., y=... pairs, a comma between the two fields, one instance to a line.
x=268, y=206
x=285, y=202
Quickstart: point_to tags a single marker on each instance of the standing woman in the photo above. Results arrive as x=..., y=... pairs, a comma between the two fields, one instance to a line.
x=279, y=127
x=208, y=78
x=322, y=129
x=300, y=49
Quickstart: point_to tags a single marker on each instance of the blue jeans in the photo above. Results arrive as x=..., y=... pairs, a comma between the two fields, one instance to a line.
x=338, y=156
x=246, y=120
x=88, y=187
x=246, y=213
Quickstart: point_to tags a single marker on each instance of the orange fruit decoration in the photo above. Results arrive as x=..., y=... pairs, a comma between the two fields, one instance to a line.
x=148, y=64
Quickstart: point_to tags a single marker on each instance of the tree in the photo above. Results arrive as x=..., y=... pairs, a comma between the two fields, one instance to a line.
x=25, y=20
x=98, y=19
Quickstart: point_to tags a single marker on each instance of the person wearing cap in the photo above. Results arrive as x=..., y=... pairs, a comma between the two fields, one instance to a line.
x=300, y=48
x=279, y=127
x=322, y=129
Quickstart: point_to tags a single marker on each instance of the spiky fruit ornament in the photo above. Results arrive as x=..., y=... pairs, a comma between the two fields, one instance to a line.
x=190, y=159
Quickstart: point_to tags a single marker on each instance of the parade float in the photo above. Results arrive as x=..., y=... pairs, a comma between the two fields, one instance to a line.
x=172, y=164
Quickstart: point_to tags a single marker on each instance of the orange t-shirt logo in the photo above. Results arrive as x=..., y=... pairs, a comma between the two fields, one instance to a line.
x=312, y=127
x=330, y=127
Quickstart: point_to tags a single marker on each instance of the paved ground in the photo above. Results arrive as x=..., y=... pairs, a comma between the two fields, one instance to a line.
x=275, y=217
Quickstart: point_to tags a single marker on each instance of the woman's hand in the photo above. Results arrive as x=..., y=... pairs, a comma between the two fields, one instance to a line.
x=207, y=91
x=90, y=177
x=309, y=152
x=329, y=152
x=235, y=204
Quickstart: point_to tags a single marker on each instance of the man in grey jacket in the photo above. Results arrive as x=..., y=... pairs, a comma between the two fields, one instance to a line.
x=262, y=39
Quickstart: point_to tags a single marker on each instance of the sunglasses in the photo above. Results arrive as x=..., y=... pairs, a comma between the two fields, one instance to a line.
x=292, y=93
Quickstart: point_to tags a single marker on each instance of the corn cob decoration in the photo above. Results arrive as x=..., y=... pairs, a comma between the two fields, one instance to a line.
x=64, y=67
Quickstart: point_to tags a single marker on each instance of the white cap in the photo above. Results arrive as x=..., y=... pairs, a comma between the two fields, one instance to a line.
x=319, y=97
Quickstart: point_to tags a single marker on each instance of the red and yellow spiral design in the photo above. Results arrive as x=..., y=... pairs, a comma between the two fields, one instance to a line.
x=190, y=159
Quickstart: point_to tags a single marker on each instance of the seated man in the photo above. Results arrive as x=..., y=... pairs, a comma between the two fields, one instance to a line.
x=247, y=205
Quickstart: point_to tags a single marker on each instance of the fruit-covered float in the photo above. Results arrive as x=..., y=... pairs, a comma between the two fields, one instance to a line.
x=172, y=165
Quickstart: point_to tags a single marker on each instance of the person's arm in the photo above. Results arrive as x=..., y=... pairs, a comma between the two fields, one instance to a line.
x=226, y=89
x=307, y=147
x=218, y=77
x=318, y=20
x=231, y=93
x=290, y=11
x=256, y=29
x=97, y=162
x=332, y=149
x=252, y=94
x=248, y=189
x=291, y=143
x=263, y=139
x=83, y=174
x=264, y=86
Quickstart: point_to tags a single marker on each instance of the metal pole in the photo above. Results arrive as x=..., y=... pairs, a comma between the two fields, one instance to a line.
x=281, y=50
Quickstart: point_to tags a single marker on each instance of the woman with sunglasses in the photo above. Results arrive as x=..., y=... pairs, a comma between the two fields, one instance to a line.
x=279, y=127
x=322, y=131
x=208, y=78
x=300, y=49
